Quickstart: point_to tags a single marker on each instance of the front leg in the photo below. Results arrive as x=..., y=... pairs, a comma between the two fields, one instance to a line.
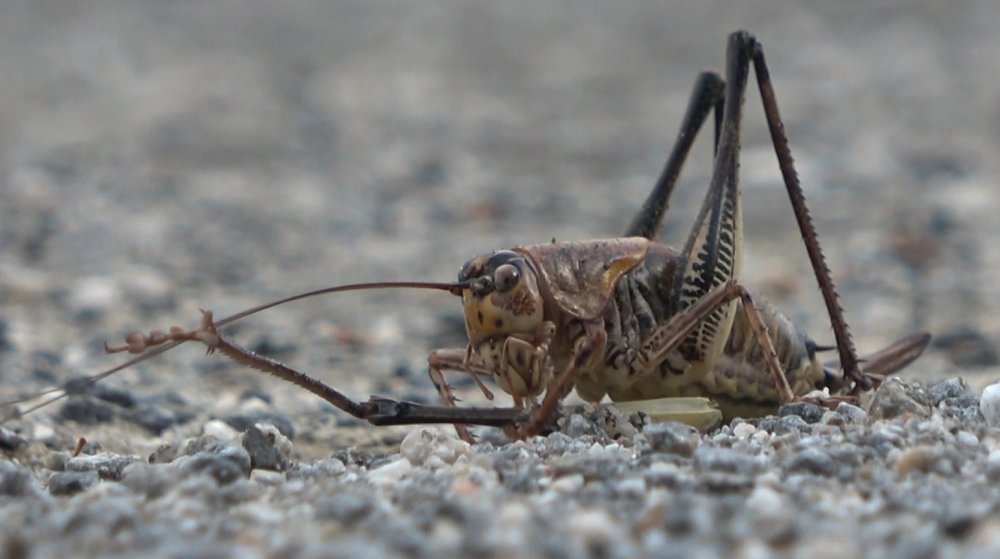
x=462, y=360
x=588, y=348
x=522, y=369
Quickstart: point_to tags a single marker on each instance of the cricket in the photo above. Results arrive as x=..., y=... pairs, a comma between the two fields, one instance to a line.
x=630, y=319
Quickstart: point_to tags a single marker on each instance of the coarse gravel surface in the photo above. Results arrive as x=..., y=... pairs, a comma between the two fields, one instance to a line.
x=161, y=157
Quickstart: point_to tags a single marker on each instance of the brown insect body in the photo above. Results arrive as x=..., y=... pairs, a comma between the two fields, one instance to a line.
x=625, y=286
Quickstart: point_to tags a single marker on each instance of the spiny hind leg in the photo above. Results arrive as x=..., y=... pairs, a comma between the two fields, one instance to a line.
x=669, y=336
x=749, y=48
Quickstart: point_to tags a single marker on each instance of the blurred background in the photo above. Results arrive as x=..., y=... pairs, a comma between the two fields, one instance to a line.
x=163, y=156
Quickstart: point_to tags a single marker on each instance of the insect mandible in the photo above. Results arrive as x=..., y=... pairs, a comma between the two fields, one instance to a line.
x=629, y=318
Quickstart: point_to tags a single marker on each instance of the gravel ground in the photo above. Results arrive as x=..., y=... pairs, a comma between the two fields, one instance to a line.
x=160, y=157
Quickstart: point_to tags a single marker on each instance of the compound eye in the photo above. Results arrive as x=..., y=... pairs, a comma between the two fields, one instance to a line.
x=506, y=277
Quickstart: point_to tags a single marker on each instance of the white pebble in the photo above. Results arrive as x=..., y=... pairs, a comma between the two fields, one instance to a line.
x=967, y=439
x=95, y=293
x=989, y=404
x=267, y=477
x=744, y=430
x=389, y=474
x=594, y=526
x=420, y=445
x=568, y=484
x=219, y=429
x=766, y=502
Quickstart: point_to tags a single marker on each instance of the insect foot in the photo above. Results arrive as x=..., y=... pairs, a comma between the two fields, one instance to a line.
x=137, y=343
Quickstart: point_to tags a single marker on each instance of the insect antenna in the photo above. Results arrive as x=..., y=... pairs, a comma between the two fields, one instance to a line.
x=138, y=343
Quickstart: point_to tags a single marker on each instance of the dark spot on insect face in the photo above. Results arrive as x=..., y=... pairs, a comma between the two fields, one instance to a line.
x=479, y=316
x=520, y=360
x=498, y=323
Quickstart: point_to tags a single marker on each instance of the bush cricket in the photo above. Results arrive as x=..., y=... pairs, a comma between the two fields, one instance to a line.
x=629, y=318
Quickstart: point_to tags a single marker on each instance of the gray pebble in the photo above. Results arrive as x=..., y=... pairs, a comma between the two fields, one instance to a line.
x=224, y=461
x=87, y=410
x=107, y=466
x=852, y=413
x=151, y=480
x=578, y=426
x=320, y=469
x=107, y=393
x=16, y=481
x=993, y=466
x=955, y=387
x=723, y=460
x=964, y=409
x=9, y=440
x=242, y=422
x=672, y=437
x=165, y=453
x=264, y=451
x=813, y=461
x=896, y=399
x=349, y=505
x=63, y=484
x=153, y=417
x=809, y=412
x=224, y=470
x=794, y=423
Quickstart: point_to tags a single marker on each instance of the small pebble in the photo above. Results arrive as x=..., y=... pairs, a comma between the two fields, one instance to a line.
x=244, y=421
x=87, y=410
x=811, y=460
x=15, y=481
x=56, y=461
x=151, y=480
x=349, y=504
x=567, y=484
x=809, y=412
x=771, y=514
x=94, y=295
x=389, y=474
x=671, y=437
x=595, y=528
x=153, y=417
x=328, y=468
x=63, y=484
x=267, y=447
x=896, y=399
x=993, y=466
x=744, y=430
x=955, y=387
x=223, y=468
x=9, y=440
x=852, y=413
x=420, y=445
x=918, y=459
x=267, y=477
x=989, y=404
x=165, y=453
x=220, y=430
x=724, y=469
x=107, y=466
